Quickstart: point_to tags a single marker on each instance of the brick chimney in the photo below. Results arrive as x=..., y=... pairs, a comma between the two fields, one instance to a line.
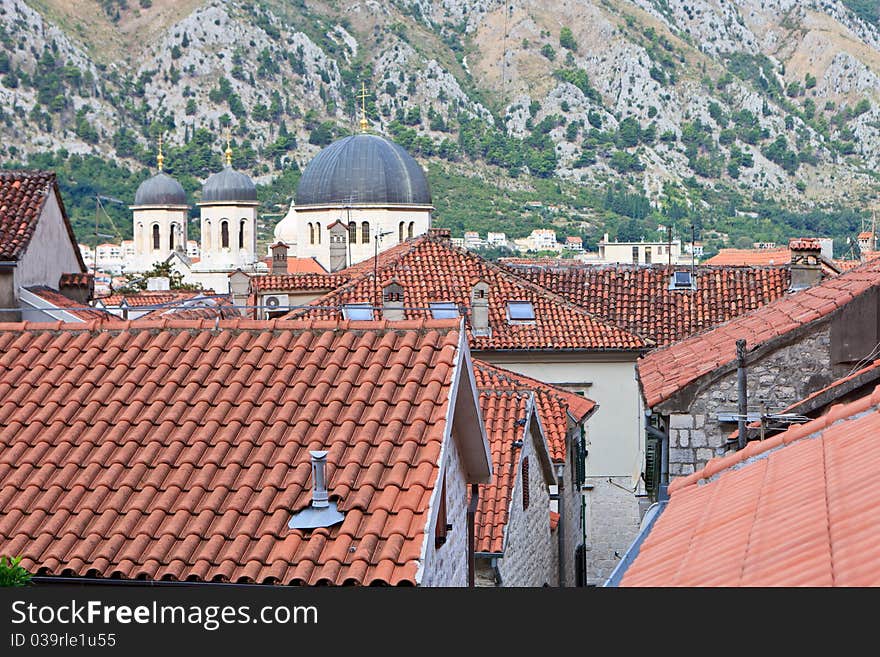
x=806, y=262
x=279, y=258
x=480, y=309
x=78, y=287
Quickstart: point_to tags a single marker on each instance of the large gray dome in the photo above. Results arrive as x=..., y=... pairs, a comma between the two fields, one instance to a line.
x=363, y=169
x=227, y=186
x=161, y=189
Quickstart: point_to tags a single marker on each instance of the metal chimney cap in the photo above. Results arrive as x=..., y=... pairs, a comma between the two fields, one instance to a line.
x=318, y=455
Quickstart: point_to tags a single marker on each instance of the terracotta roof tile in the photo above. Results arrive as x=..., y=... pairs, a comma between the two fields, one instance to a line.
x=750, y=257
x=22, y=196
x=552, y=403
x=209, y=307
x=500, y=410
x=794, y=510
x=295, y=282
x=77, y=280
x=300, y=265
x=148, y=298
x=638, y=298
x=666, y=371
x=124, y=454
x=430, y=270
x=75, y=308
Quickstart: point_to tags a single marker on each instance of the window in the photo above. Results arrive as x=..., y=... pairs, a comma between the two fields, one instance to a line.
x=443, y=309
x=311, y=233
x=358, y=312
x=441, y=528
x=525, y=483
x=318, y=233
x=224, y=234
x=400, y=230
x=635, y=252
x=241, y=225
x=520, y=311
x=647, y=255
x=352, y=232
x=171, y=236
x=156, y=246
x=681, y=280
x=411, y=230
x=365, y=232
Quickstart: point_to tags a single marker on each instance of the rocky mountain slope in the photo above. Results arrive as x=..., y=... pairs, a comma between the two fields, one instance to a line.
x=690, y=110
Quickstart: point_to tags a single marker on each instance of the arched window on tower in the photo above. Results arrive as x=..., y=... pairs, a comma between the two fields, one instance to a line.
x=311, y=233
x=224, y=234
x=241, y=227
x=318, y=232
x=412, y=228
x=365, y=232
x=172, y=234
x=156, y=245
x=352, y=232
x=400, y=231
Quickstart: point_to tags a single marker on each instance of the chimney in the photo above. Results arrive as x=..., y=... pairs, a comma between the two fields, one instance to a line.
x=806, y=263
x=279, y=258
x=240, y=289
x=319, y=481
x=441, y=235
x=480, y=309
x=392, y=302
x=78, y=287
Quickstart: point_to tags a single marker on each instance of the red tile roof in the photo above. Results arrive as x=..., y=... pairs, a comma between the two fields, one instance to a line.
x=554, y=521
x=500, y=410
x=209, y=307
x=151, y=298
x=638, y=297
x=429, y=269
x=797, y=509
x=805, y=244
x=666, y=371
x=295, y=282
x=177, y=450
x=865, y=235
x=77, y=280
x=58, y=300
x=752, y=257
x=300, y=265
x=552, y=403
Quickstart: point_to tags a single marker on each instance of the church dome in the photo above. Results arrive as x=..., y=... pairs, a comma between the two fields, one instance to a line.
x=229, y=185
x=363, y=169
x=161, y=189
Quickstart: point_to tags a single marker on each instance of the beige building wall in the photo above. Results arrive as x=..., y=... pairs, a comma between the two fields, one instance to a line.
x=50, y=251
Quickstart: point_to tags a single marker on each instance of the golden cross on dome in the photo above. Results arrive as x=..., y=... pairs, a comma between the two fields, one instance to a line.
x=160, y=159
x=362, y=96
x=228, y=147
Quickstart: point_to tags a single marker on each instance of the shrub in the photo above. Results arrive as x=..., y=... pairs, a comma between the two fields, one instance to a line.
x=12, y=573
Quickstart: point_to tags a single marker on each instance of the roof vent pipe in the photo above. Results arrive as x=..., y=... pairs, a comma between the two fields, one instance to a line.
x=319, y=481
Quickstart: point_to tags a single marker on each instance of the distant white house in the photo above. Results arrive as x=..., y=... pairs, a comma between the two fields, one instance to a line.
x=573, y=243
x=496, y=239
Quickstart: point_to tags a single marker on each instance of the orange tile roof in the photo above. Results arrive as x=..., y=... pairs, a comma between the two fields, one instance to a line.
x=75, y=308
x=552, y=403
x=846, y=265
x=794, y=510
x=179, y=449
x=300, y=265
x=77, y=279
x=295, y=282
x=208, y=307
x=151, y=298
x=500, y=410
x=865, y=235
x=22, y=197
x=752, y=257
x=638, y=298
x=554, y=521
x=665, y=371
x=430, y=269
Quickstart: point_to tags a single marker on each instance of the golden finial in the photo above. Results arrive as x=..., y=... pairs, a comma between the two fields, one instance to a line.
x=160, y=159
x=363, y=98
x=228, y=147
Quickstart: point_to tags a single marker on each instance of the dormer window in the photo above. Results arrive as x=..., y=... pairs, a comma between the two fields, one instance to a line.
x=358, y=312
x=520, y=311
x=444, y=309
x=682, y=280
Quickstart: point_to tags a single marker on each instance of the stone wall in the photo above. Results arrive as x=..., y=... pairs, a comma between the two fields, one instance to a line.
x=613, y=516
x=572, y=515
x=779, y=379
x=528, y=546
x=448, y=564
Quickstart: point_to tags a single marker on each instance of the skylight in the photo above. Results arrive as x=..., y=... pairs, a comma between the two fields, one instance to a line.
x=681, y=280
x=358, y=312
x=520, y=311
x=443, y=309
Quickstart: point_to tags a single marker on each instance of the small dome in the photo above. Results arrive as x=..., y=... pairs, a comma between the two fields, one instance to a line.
x=363, y=169
x=229, y=185
x=161, y=189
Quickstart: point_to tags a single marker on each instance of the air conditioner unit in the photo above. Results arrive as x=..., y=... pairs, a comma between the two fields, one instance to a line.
x=274, y=301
